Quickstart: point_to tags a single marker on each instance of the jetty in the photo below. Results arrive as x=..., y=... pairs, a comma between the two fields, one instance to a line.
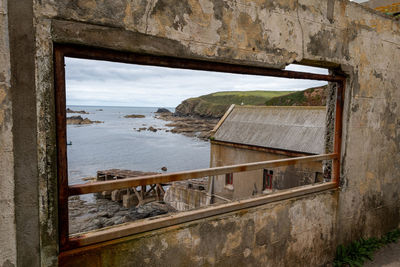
x=134, y=196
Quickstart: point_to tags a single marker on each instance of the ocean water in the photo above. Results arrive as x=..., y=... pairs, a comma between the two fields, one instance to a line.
x=114, y=144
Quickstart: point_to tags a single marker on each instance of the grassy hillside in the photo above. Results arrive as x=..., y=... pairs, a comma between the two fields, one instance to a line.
x=245, y=97
x=311, y=97
x=214, y=105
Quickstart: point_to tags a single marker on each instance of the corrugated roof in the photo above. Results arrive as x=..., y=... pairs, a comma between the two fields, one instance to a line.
x=300, y=129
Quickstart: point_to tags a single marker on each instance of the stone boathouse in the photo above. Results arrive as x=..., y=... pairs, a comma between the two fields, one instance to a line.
x=254, y=133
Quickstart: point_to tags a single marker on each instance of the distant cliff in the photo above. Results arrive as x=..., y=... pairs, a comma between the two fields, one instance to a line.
x=198, y=107
x=214, y=105
x=315, y=96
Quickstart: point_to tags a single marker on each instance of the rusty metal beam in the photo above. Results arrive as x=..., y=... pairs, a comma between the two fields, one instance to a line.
x=183, y=63
x=87, y=188
x=61, y=132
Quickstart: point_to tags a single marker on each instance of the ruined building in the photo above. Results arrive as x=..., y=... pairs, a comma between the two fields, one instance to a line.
x=253, y=134
x=300, y=227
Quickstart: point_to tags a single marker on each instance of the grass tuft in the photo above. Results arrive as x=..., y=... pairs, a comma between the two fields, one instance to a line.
x=357, y=252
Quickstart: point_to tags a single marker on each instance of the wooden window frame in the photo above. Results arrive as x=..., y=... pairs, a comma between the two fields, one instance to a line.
x=67, y=242
x=267, y=179
x=229, y=178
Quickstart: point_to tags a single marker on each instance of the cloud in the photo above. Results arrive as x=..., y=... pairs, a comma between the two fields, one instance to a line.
x=91, y=82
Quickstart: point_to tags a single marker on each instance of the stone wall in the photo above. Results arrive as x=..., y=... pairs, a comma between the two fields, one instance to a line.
x=7, y=216
x=296, y=232
x=333, y=33
x=182, y=197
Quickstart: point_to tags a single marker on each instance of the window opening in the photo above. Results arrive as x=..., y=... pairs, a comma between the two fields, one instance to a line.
x=267, y=179
x=229, y=179
x=136, y=187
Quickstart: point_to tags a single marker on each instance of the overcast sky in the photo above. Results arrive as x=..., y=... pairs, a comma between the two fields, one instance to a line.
x=101, y=83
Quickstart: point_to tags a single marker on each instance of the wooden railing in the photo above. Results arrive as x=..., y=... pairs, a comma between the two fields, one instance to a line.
x=94, y=187
x=78, y=240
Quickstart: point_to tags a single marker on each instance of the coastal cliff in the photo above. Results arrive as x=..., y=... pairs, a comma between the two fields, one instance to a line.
x=197, y=116
x=315, y=96
x=215, y=105
x=198, y=107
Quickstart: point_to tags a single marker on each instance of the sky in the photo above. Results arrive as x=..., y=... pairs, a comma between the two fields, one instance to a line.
x=103, y=83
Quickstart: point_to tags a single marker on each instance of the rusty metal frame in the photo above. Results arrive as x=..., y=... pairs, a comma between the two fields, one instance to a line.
x=64, y=191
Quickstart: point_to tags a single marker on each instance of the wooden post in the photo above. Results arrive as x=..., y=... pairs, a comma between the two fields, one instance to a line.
x=338, y=132
x=139, y=196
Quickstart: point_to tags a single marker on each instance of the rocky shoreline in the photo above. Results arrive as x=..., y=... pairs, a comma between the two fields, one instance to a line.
x=192, y=126
x=87, y=216
x=77, y=111
x=78, y=120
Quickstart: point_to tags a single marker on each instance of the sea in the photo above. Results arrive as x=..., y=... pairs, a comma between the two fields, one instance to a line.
x=115, y=144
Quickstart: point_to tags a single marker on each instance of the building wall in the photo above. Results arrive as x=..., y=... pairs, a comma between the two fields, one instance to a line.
x=333, y=33
x=7, y=217
x=182, y=198
x=247, y=184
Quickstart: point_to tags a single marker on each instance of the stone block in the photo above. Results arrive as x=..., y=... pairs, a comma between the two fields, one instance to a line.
x=117, y=195
x=129, y=200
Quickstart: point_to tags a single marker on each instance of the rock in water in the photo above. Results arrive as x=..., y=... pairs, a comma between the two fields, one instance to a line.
x=134, y=116
x=74, y=120
x=163, y=110
x=76, y=111
x=79, y=120
x=86, y=121
x=151, y=128
x=164, y=169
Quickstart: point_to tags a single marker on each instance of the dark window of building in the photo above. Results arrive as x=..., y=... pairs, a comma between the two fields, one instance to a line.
x=229, y=178
x=267, y=179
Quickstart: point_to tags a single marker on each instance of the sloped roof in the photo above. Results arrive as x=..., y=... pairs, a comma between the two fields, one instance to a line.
x=300, y=129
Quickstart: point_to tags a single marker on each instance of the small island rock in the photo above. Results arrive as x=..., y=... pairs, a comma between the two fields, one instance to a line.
x=80, y=121
x=134, y=116
x=151, y=128
x=76, y=111
x=163, y=110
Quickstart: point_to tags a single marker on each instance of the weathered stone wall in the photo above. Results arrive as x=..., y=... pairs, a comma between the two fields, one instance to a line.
x=296, y=232
x=182, y=198
x=7, y=215
x=333, y=33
